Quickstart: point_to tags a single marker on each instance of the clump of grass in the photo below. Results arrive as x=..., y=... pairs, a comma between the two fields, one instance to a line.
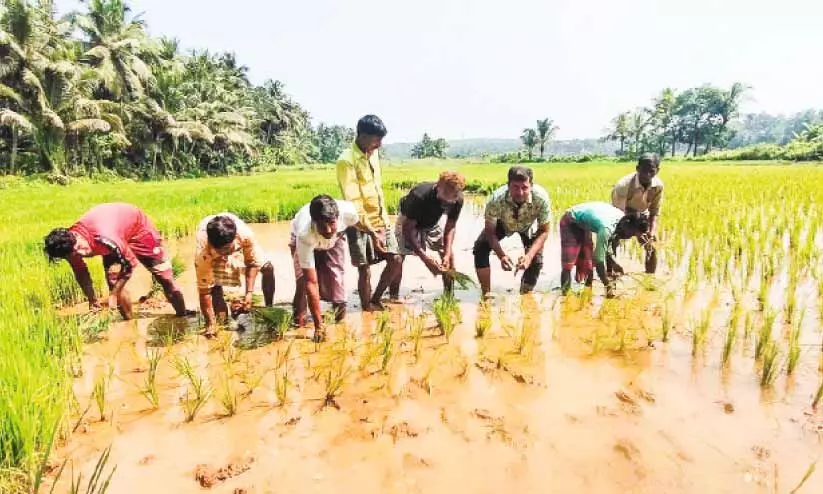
x=149, y=387
x=197, y=392
x=447, y=313
x=794, y=345
x=769, y=370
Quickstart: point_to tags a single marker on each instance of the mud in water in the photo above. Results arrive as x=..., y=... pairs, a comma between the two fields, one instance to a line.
x=575, y=395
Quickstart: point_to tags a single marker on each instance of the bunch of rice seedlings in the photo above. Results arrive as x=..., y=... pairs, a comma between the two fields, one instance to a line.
x=94, y=324
x=198, y=391
x=462, y=280
x=276, y=320
x=252, y=379
x=769, y=370
x=794, y=345
x=149, y=387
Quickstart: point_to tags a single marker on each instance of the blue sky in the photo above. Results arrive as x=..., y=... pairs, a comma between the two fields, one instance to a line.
x=489, y=68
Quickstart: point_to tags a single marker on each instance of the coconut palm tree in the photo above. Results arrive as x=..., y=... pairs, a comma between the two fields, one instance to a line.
x=620, y=131
x=545, y=133
x=529, y=138
x=117, y=47
x=18, y=123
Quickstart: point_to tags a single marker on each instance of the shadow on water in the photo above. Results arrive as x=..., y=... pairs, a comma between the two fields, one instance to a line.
x=260, y=327
x=170, y=329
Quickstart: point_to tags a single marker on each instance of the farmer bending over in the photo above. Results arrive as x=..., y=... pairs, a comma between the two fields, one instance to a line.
x=124, y=236
x=318, y=247
x=642, y=192
x=359, y=177
x=514, y=208
x=417, y=225
x=226, y=248
x=610, y=225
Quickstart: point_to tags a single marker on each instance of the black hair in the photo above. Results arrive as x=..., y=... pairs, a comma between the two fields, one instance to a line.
x=520, y=174
x=59, y=243
x=635, y=221
x=323, y=208
x=649, y=159
x=371, y=125
x=221, y=231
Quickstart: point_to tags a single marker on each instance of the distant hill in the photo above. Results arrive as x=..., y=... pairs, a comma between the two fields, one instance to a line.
x=463, y=148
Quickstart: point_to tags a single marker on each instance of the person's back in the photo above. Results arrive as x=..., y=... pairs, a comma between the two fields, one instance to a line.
x=116, y=221
x=596, y=216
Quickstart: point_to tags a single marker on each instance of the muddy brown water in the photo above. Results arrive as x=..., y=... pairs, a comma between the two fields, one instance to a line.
x=468, y=415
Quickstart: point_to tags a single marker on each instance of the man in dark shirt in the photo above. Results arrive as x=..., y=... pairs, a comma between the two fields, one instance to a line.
x=418, y=229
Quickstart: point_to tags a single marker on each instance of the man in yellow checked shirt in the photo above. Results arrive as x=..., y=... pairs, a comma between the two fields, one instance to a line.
x=359, y=176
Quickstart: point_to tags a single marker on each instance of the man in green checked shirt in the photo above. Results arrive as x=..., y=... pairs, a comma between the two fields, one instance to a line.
x=514, y=208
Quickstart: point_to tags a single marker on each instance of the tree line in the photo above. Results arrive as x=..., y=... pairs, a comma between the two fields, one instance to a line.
x=697, y=119
x=92, y=92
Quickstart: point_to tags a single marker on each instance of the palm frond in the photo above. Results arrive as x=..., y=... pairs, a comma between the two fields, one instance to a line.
x=89, y=125
x=15, y=120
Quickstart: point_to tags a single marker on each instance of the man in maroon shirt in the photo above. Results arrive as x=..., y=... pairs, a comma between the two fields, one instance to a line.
x=124, y=236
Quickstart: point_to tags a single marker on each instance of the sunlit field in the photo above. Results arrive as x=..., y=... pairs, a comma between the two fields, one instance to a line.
x=739, y=289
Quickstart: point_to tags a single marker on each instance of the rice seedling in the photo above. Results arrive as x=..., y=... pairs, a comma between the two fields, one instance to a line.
x=728, y=343
x=97, y=484
x=769, y=369
x=227, y=396
x=700, y=331
x=197, y=392
x=93, y=325
x=417, y=326
x=806, y=477
x=101, y=387
x=252, y=379
x=385, y=335
x=447, y=313
x=149, y=387
x=335, y=371
x=765, y=334
x=282, y=371
x=794, y=345
x=425, y=380
x=817, y=396
x=484, y=320
x=666, y=320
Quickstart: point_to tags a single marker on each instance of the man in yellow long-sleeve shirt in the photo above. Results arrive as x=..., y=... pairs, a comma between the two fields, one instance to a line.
x=358, y=173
